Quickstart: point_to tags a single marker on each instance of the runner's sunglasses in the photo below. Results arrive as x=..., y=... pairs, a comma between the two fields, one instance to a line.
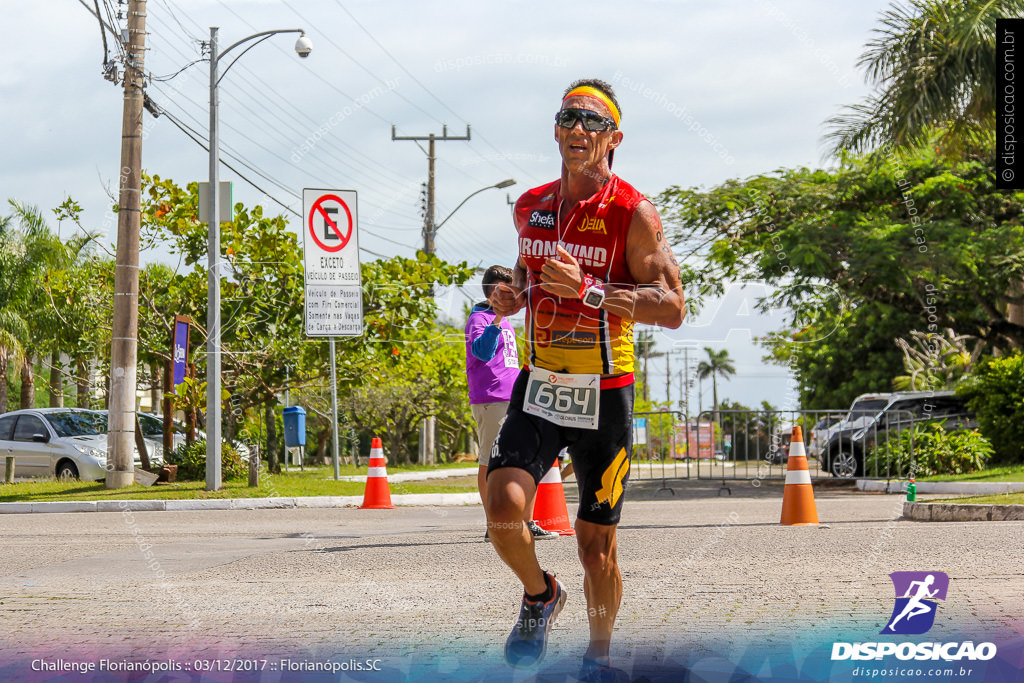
x=591, y=120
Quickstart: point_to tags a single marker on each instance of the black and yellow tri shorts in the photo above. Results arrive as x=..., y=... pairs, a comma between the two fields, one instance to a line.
x=600, y=456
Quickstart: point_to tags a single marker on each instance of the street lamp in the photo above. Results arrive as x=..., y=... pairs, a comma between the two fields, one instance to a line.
x=500, y=186
x=430, y=231
x=303, y=46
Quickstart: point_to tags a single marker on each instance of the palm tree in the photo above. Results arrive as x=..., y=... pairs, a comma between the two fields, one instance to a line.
x=718, y=363
x=932, y=63
x=12, y=327
x=645, y=350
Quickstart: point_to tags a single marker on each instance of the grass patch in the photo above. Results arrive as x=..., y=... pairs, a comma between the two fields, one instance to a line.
x=1016, y=498
x=313, y=481
x=1012, y=473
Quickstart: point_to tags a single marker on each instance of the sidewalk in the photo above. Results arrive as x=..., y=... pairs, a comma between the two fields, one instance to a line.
x=960, y=488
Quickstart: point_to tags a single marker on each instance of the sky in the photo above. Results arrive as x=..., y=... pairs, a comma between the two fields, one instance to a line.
x=708, y=91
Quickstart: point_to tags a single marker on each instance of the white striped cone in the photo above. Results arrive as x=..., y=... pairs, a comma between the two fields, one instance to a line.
x=798, y=508
x=378, y=494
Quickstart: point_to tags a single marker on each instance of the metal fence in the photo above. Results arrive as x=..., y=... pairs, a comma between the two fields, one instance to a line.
x=733, y=445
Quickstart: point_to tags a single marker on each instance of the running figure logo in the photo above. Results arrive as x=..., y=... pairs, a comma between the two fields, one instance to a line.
x=914, y=613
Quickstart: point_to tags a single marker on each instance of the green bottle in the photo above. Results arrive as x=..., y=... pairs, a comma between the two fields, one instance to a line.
x=911, y=490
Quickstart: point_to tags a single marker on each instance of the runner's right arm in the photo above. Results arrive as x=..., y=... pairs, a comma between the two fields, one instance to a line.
x=509, y=299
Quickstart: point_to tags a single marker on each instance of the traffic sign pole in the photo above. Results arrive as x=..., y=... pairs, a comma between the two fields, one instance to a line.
x=334, y=412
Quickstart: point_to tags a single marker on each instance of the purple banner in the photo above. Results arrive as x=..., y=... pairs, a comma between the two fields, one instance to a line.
x=180, y=348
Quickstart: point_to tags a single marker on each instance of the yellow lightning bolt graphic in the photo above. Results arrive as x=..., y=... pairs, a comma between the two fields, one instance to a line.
x=611, y=480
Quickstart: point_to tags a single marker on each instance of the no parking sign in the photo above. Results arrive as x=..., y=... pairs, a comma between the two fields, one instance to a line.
x=334, y=293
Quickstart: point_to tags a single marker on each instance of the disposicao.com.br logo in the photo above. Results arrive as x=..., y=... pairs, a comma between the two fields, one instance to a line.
x=913, y=614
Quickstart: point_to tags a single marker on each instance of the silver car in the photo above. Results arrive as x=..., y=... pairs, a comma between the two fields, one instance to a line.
x=67, y=443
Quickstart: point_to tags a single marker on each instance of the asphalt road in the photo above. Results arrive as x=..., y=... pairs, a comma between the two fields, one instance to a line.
x=702, y=573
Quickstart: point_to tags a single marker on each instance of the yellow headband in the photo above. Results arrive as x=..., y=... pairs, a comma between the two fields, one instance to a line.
x=587, y=91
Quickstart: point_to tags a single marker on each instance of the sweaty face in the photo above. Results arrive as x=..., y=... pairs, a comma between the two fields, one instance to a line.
x=583, y=149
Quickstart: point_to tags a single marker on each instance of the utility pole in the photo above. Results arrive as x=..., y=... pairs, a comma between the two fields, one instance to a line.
x=429, y=232
x=429, y=228
x=124, y=342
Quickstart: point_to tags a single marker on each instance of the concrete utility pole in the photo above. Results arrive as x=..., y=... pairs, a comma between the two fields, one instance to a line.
x=124, y=342
x=429, y=233
x=429, y=228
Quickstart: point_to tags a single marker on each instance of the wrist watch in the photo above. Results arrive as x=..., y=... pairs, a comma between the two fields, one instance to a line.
x=592, y=291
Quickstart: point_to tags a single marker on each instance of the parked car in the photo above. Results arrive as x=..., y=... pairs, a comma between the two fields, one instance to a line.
x=876, y=417
x=67, y=443
x=153, y=431
x=819, y=434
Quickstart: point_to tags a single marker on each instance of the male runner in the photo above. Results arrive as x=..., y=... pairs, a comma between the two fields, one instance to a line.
x=592, y=261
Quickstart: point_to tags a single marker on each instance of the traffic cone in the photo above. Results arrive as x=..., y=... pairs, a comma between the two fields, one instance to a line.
x=798, y=497
x=549, y=510
x=378, y=494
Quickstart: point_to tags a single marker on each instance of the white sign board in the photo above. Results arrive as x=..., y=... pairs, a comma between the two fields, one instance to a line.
x=639, y=431
x=334, y=284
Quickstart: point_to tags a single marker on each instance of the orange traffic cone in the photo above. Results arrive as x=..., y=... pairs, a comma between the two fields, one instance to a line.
x=378, y=494
x=549, y=510
x=798, y=497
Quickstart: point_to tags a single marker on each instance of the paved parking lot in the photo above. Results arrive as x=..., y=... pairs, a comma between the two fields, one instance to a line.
x=703, y=573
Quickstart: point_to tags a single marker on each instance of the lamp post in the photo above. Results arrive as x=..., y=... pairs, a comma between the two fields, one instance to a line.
x=429, y=232
x=432, y=229
x=303, y=46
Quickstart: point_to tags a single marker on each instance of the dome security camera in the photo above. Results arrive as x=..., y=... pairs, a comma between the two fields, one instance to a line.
x=303, y=46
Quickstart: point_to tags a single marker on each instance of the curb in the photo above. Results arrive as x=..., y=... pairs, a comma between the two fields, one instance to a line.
x=967, y=488
x=418, y=476
x=407, y=499
x=952, y=512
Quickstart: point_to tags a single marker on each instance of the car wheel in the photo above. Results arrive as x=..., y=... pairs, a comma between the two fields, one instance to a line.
x=66, y=470
x=844, y=463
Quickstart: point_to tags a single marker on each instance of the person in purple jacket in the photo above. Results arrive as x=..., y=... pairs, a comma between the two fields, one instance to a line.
x=492, y=365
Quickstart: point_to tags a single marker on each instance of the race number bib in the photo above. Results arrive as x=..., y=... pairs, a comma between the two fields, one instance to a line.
x=508, y=350
x=567, y=400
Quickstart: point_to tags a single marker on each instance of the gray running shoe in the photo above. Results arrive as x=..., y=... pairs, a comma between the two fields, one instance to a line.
x=538, y=533
x=528, y=641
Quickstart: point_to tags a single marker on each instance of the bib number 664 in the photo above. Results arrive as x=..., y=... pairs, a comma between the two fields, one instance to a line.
x=562, y=399
x=569, y=400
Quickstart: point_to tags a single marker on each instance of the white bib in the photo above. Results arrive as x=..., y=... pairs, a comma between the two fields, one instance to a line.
x=563, y=399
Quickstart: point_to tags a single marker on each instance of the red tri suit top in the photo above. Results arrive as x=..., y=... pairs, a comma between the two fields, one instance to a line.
x=563, y=335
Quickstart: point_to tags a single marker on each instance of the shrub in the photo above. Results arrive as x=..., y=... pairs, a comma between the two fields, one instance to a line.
x=191, y=461
x=995, y=391
x=936, y=451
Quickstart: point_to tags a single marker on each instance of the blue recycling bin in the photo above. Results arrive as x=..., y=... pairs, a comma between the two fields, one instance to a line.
x=294, y=426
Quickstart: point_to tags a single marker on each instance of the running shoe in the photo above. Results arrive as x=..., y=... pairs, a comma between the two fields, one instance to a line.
x=540, y=534
x=528, y=641
x=593, y=671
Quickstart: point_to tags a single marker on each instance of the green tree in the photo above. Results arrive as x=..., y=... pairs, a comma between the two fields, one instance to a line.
x=995, y=391
x=860, y=256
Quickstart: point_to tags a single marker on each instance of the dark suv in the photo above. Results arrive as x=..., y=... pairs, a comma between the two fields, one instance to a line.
x=875, y=417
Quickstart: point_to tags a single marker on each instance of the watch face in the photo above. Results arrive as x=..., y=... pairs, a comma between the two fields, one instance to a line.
x=594, y=298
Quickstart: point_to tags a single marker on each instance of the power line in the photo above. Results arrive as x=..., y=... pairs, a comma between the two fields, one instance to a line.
x=185, y=129
x=198, y=139
x=425, y=88
x=369, y=164
x=359, y=64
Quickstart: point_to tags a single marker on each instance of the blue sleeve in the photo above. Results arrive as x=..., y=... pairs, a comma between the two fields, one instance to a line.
x=486, y=345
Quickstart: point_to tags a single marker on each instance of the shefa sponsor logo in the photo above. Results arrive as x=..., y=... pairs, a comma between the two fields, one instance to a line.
x=542, y=219
x=590, y=223
x=947, y=652
x=913, y=614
